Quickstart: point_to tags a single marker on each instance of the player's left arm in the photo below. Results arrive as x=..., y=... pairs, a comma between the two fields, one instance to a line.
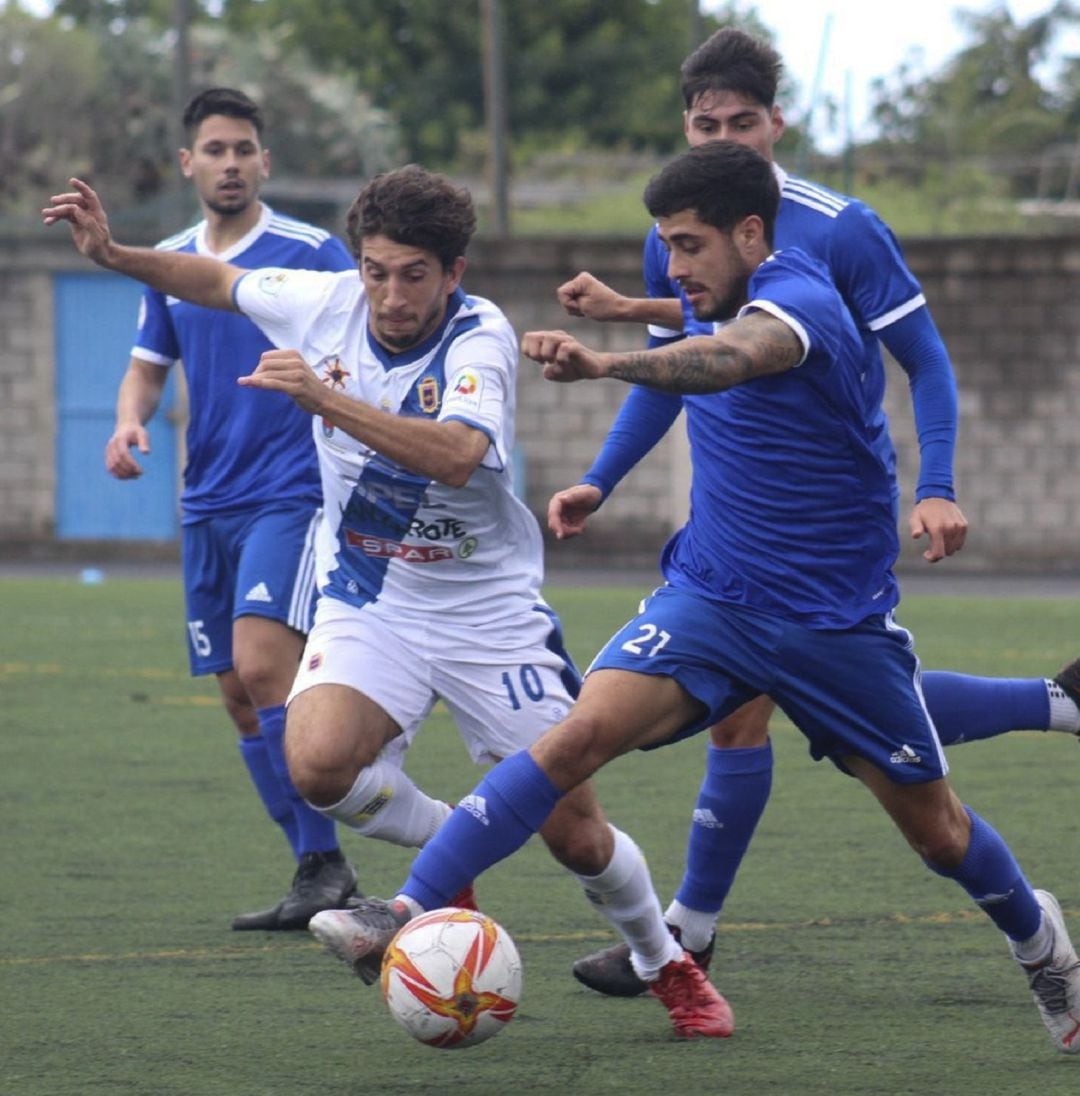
x=755, y=345
x=885, y=296
x=916, y=345
x=448, y=452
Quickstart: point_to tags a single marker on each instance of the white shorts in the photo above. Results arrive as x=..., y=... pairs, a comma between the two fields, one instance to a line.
x=504, y=685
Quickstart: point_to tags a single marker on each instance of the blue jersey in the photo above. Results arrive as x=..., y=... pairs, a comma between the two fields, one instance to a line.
x=884, y=298
x=245, y=447
x=792, y=500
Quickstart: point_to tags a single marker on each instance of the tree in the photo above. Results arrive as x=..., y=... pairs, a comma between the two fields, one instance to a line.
x=118, y=74
x=989, y=101
x=582, y=73
x=38, y=128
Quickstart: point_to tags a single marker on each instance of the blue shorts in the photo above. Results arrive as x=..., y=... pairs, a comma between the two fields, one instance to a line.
x=851, y=691
x=254, y=563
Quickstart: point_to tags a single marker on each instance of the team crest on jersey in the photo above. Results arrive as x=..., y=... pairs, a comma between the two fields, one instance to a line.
x=428, y=391
x=334, y=374
x=327, y=429
x=270, y=284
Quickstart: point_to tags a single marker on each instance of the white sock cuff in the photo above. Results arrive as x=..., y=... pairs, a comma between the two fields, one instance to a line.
x=695, y=926
x=625, y=860
x=1064, y=715
x=1037, y=948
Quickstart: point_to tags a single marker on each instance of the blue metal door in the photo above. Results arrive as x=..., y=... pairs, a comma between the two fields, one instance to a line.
x=95, y=324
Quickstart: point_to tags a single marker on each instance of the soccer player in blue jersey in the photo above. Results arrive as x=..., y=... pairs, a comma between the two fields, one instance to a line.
x=729, y=87
x=780, y=582
x=251, y=494
x=429, y=566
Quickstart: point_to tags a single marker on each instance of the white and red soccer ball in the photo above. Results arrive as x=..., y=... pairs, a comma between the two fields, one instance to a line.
x=452, y=978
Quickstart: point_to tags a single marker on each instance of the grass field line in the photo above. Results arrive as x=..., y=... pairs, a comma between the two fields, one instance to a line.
x=584, y=936
x=54, y=669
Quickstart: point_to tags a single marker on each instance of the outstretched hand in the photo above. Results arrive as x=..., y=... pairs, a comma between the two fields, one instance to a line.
x=944, y=523
x=562, y=356
x=84, y=213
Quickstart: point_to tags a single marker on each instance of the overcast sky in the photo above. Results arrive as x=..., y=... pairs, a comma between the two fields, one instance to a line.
x=869, y=38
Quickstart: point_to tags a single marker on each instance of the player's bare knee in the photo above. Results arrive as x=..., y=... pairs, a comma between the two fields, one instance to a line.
x=263, y=680
x=317, y=779
x=326, y=756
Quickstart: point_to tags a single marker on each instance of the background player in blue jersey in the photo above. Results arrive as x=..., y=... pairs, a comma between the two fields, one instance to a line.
x=429, y=566
x=729, y=87
x=780, y=582
x=251, y=494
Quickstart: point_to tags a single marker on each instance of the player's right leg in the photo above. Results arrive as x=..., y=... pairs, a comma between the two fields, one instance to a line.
x=209, y=567
x=730, y=802
x=359, y=698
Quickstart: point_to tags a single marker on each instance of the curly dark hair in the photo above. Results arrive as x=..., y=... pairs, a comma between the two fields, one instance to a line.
x=227, y=101
x=732, y=60
x=721, y=181
x=415, y=207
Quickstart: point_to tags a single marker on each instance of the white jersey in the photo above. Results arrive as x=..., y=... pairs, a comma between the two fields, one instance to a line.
x=389, y=534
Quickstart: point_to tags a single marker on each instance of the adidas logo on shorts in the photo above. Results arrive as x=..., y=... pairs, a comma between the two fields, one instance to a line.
x=258, y=592
x=905, y=756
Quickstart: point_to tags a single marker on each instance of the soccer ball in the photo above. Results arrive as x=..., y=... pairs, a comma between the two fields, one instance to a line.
x=452, y=978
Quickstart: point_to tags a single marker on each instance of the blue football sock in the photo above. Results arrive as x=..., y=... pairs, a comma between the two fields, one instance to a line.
x=315, y=832
x=506, y=808
x=732, y=796
x=966, y=708
x=263, y=775
x=991, y=875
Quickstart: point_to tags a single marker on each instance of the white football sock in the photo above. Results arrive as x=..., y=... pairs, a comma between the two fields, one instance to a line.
x=385, y=803
x=624, y=894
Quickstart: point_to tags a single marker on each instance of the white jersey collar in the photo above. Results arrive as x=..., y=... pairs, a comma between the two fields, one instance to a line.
x=241, y=245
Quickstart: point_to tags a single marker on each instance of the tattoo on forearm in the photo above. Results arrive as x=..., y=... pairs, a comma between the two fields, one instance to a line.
x=711, y=364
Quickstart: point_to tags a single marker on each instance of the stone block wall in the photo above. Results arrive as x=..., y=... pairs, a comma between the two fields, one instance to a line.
x=1007, y=311
x=27, y=397
x=1005, y=308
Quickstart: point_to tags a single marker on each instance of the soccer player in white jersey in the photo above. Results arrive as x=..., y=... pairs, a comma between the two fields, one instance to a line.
x=729, y=88
x=782, y=574
x=429, y=566
x=250, y=497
